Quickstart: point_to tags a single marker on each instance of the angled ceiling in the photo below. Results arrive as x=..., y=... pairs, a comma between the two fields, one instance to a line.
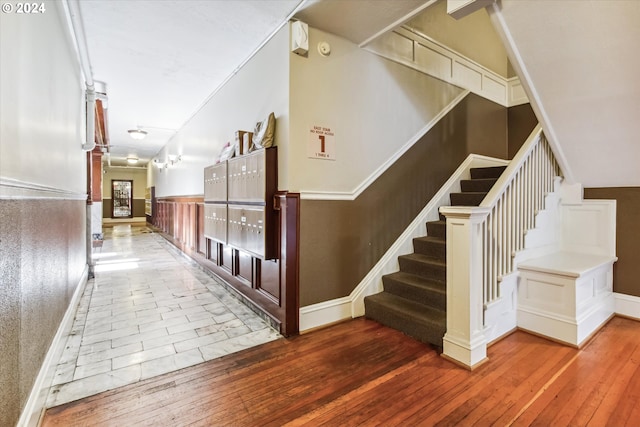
x=359, y=20
x=161, y=60
x=577, y=61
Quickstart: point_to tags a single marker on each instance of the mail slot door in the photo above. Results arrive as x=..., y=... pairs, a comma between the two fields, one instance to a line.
x=215, y=222
x=215, y=183
x=246, y=229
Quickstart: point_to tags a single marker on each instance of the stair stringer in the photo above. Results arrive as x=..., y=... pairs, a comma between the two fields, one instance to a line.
x=500, y=316
x=327, y=312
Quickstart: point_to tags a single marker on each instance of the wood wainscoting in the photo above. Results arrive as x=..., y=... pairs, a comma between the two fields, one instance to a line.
x=270, y=286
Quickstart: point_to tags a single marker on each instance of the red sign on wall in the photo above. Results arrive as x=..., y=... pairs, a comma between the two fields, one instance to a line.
x=322, y=143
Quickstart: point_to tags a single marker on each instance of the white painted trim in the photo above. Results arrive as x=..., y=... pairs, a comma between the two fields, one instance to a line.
x=627, y=305
x=324, y=313
x=458, y=70
x=321, y=195
x=516, y=93
x=519, y=65
x=579, y=230
x=458, y=9
x=501, y=315
x=36, y=402
x=327, y=312
x=14, y=189
x=397, y=23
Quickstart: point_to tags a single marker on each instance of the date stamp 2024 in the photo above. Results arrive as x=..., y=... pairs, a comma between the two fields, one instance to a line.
x=24, y=8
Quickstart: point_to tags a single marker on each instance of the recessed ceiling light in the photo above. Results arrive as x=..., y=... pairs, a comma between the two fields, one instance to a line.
x=137, y=133
x=132, y=160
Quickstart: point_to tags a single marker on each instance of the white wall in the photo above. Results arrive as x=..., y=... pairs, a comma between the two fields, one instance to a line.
x=578, y=64
x=260, y=87
x=41, y=104
x=375, y=106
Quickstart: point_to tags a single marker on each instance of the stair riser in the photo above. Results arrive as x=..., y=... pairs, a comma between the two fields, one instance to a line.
x=424, y=296
x=476, y=185
x=416, y=328
x=432, y=249
x=437, y=230
x=423, y=269
x=466, y=199
x=491, y=172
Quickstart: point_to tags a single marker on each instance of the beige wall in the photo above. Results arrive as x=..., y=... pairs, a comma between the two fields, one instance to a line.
x=258, y=88
x=42, y=195
x=473, y=36
x=375, y=106
x=139, y=177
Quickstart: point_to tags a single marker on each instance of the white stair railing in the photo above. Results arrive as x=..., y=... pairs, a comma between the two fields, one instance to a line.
x=482, y=242
x=514, y=201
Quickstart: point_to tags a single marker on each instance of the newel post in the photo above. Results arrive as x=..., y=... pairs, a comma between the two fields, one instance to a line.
x=464, y=341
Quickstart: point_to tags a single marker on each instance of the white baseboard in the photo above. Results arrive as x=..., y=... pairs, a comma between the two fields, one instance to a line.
x=35, y=404
x=627, y=305
x=324, y=313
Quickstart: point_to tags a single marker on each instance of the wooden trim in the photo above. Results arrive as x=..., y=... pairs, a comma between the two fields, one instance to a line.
x=289, y=205
x=180, y=221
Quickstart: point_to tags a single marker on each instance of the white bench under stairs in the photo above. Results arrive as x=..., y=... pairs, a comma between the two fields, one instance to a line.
x=567, y=294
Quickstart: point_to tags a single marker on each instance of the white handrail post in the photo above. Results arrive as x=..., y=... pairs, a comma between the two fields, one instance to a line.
x=464, y=341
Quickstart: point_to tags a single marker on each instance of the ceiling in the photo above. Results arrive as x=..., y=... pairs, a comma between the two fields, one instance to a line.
x=161, y=60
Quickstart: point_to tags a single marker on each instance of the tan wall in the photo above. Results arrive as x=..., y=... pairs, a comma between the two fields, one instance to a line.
x=626, y=272
x=138, y=176
x=138, y=208
x=473, y=36
x=342, y=240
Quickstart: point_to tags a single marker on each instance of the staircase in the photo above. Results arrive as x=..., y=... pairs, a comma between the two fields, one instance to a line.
x=414, y=299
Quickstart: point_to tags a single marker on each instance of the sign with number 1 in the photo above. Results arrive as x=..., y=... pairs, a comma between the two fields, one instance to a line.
x=321, y=143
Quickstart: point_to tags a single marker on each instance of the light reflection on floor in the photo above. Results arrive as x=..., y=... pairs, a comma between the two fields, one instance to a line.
x=148, y=311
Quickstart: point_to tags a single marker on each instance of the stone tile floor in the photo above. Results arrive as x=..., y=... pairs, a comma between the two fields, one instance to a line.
x=148, y=311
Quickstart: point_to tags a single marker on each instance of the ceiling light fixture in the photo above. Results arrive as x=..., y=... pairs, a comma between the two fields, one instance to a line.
x=132, y=160
x=137, y=133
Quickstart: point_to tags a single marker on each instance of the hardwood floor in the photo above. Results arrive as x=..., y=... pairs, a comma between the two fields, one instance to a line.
x=361, y=373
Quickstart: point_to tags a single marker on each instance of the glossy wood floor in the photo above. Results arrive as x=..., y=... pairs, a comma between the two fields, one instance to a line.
x=360, y=373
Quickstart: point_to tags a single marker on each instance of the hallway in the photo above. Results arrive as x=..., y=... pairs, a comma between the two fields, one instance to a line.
x=148, y=311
